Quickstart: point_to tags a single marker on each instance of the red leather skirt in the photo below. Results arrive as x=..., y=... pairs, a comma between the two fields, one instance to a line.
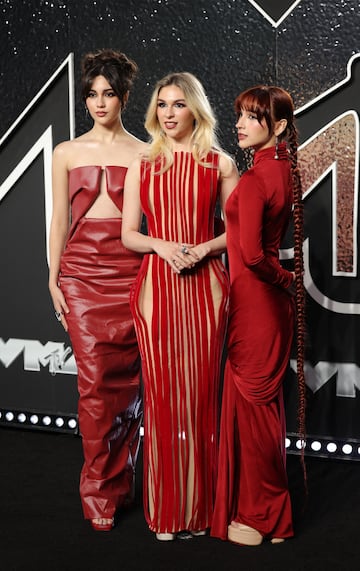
x=96, y=274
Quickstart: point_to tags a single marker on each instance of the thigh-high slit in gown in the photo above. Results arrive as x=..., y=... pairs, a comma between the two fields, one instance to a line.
x=96, y=274
x=180, y=322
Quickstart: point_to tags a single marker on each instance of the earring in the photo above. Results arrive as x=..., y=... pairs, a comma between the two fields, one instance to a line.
x=86, y=112
x=276, y=156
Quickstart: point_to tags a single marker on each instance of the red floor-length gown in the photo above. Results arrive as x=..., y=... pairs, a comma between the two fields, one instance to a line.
x=252, y=483
x=180, y=321
x=96, y=275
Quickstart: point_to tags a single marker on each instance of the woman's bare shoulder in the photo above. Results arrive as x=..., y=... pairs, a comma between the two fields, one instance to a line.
x=78, y=150
x=68, y=147
x=133, y=149
x=227, y=165
x=136, y=144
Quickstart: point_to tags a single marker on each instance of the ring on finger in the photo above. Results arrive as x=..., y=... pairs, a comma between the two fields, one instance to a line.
x=184, y=249
x=58, y=315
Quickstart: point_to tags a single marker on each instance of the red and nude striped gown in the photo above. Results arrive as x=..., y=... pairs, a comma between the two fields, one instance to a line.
x=180, y=324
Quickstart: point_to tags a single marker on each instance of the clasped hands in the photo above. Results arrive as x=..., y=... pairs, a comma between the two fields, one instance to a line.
x=181, y=256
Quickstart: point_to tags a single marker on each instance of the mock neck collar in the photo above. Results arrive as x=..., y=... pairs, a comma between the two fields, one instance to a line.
x=269, y=153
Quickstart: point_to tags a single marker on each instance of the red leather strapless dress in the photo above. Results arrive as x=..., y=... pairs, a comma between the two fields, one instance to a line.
x=96, y=275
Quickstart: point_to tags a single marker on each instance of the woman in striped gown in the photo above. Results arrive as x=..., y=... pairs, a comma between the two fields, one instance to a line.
x=179, y=301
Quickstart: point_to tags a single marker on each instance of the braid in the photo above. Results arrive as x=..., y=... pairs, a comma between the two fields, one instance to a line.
x=299, y=282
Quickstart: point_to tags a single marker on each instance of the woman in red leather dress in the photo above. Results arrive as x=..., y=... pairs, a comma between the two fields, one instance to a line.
x=179, y=302
x=91, y=273
x=252, y=498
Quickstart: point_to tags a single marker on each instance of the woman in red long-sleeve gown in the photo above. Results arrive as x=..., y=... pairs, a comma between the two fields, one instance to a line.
x=252, y=498
x=91, y=274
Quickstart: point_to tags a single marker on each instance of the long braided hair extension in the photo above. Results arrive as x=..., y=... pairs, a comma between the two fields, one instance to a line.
x=298, y=216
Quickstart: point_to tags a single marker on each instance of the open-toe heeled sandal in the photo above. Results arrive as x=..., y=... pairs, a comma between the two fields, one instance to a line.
x=102, y=523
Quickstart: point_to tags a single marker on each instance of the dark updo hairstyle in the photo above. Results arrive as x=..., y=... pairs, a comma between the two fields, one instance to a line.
x=272, y=104
x=116, y=67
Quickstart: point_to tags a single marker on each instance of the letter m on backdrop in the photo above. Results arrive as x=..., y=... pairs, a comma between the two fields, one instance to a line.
x=25, y=210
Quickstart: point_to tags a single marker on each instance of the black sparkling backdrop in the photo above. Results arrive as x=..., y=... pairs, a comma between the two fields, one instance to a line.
x=228, y=44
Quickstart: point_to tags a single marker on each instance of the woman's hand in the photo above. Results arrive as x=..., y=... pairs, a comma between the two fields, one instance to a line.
x=200, y=251
x=60, y=305
x=178, y=256
x=291, y=290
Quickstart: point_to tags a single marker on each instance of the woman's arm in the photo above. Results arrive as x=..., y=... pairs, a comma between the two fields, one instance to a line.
x=229, y=177
x=132, y=214
x=133, y=239
x=59, y=226
x=251, y=206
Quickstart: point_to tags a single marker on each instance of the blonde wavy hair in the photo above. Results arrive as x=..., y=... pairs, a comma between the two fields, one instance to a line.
x=204, y=138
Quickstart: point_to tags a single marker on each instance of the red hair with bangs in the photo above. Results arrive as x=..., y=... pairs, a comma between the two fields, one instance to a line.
x=267, y=102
